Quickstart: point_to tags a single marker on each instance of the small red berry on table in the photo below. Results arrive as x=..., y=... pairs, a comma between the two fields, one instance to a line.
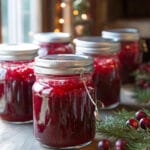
x=132, y=123
x=104, y=144
x=140, y=114
x=120, y=144
x=145, y=123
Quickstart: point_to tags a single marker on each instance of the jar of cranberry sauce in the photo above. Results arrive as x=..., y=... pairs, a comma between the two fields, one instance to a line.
x=107, y=68
x=130, y=53
x=63, y=110
x=16, y=80
x=53, y=43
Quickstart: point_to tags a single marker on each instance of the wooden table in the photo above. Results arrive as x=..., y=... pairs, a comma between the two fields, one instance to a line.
x=20, y=137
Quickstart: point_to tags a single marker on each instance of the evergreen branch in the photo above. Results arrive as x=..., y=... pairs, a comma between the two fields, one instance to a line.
x=116, y=127
x=142, y=95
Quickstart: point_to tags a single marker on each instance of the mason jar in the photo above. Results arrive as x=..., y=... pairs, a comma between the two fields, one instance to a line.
x=53, y=43
x=130, y=52
x=16, y=80
x=63, y=101
x=106, y=75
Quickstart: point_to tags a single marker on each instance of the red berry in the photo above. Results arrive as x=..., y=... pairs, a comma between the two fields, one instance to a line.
x=146, y=85
x=140, y=114
x=132, y=123
x=120, y=144
x=145, y=123
x=140, y=83
x=104, y=144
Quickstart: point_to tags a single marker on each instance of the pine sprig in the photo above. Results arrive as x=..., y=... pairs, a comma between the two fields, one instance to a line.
x=142, y=83
x=115, y=127
x=142, y=95
x=142, y=75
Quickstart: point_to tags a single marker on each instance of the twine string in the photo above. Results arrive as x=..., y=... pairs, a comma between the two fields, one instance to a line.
x=96, y=112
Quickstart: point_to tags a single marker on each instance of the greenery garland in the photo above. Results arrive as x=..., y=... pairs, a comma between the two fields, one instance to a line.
x=115, y=127
x=142, y=83
x=142, y=95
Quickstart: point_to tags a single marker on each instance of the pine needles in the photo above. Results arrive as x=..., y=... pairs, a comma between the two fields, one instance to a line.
x=115, y=127
x=142, y=95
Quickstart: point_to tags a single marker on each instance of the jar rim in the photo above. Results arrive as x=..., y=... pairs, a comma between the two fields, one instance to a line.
x=127, y=34
x=89, y=50
x=20, y=51
x=51, y=37
x=96, y=45
x=63, y=64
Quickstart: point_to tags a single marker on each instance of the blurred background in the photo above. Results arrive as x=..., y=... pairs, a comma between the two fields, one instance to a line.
x=20, y=19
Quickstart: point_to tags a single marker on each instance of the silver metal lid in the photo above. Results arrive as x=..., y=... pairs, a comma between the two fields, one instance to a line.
x=63, y=64
x=23, y=51
x=50, y=37
x=96, y=45
x=127, y=34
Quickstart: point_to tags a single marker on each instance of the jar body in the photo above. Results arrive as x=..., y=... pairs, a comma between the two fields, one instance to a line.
x=16, y=80
x=107, y=80
x=63, y=111
x=55, y=48
x=130, y=59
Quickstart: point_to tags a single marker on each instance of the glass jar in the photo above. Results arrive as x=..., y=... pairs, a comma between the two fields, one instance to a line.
x=16, y=80
x=106, y=76
x=63, y=111
x=130, y=53
x=53, y=43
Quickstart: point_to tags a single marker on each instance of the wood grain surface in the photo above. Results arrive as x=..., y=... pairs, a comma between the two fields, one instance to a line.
x=20, y=137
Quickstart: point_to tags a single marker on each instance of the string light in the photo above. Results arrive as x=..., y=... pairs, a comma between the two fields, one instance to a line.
x=61, y=21
x=75, y=12
x=59, y=18
x=56, y=30
x=84, y=16
x=63, y=5
x=81, y=17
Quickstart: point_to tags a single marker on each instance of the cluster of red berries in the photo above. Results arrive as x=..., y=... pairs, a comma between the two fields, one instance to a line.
x=141, y=120
x=105, y=144
x=142, y=83
x=145, y=67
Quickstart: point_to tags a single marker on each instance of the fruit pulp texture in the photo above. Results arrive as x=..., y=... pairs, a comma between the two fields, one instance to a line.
x=55, y=48
x=16, y=91
x=130, y=59
x=107, y=79
x=63, y=112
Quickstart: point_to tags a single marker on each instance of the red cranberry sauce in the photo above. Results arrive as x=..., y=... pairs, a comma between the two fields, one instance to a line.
x=55, y=48
x=130, y=58
x=107, y=79
x=63, y=112
x=16, y=92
